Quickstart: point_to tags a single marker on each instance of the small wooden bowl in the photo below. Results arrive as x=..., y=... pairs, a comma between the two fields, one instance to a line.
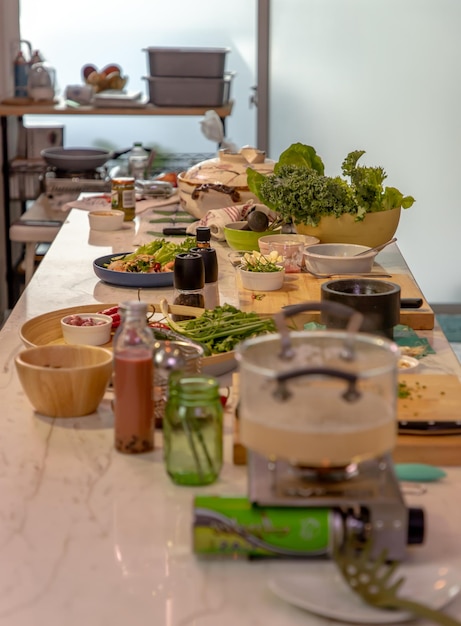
x=64, y=381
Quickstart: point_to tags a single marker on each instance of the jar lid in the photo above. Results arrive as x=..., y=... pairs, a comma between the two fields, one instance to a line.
x=203, y=233
x=189, y=271
x=210, y=262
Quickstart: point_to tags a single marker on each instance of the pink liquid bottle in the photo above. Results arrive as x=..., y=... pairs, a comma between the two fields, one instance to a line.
x=133, y=348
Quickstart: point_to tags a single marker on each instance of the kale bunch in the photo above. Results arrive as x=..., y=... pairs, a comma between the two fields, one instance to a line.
x=304, y=195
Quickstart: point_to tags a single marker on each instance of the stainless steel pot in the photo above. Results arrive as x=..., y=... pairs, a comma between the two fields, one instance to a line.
x=318, y=398
x=78, y=159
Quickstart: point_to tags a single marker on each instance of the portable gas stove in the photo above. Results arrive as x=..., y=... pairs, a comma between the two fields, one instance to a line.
x=59, y=187
x=366, y=497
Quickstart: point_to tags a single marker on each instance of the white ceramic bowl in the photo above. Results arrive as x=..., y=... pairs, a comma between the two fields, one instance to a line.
x=77, y=329
x=338, y=258
x=106, y=219
x=262, y=281
x=407, y=363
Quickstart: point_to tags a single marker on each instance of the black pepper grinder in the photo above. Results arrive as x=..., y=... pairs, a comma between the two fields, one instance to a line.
x=210, y=262
x=189, y=282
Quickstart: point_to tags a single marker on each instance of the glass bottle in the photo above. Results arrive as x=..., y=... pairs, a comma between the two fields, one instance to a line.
x=193, y=429
x=133, y=348
x=137, y=161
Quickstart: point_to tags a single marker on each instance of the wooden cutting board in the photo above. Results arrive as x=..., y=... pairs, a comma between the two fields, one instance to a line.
x=305, y=287
x=432, y=397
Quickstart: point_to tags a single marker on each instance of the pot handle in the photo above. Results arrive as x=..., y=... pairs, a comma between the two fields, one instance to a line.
x=335, y=308
x=220, y=188
x=282, y=393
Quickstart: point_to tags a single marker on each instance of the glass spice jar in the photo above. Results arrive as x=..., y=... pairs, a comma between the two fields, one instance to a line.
x=123, y=196
x=193, y=429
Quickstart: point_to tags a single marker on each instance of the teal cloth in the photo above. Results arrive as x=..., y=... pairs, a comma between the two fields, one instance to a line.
x=418, y=472
x=404, y=336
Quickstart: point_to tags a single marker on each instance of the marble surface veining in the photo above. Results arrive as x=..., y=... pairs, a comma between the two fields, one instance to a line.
x=90, y=536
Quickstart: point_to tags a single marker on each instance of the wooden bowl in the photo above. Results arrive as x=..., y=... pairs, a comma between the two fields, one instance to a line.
x=64, y=381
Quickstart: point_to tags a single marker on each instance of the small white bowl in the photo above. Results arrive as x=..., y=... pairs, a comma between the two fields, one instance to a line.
x=262, y=281
x=406, y=363
x=90, y=335
x=106, y=219
x=280, y=242
x=338, y=258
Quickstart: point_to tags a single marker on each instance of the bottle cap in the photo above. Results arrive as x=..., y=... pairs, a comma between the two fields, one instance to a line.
x=203, y=233
x=210, y=262
x=189, y=271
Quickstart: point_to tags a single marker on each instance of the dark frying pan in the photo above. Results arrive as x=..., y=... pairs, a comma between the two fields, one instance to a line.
x=78, y=159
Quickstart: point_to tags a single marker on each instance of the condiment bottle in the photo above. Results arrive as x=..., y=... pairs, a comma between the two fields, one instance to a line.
x=123, y=196
x=189, y=282
x=21, y=73
x=193, y=429
x=203, y=236
x=137, y=161
x=210, y=262
x=133, y=348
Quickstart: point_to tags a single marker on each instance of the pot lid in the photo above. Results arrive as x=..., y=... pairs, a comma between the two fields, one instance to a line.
x=229, y=168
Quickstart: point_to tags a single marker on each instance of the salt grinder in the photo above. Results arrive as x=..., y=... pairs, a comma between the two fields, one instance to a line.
x=210, y=262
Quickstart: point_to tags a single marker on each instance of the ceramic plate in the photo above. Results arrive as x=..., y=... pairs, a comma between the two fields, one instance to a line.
x=129, y=279
x=321, y=590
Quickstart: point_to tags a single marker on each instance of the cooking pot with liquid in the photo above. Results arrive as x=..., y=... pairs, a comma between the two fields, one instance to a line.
x=322, y=398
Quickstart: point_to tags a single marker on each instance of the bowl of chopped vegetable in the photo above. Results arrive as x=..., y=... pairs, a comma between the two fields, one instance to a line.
x=91, y=329
x=260, y=272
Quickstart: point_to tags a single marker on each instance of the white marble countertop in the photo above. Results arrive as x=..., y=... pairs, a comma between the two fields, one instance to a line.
x=90, y=536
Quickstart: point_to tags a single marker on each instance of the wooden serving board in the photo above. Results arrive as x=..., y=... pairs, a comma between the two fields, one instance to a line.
x=433, y=397
x=304, y=287
x=46, y=329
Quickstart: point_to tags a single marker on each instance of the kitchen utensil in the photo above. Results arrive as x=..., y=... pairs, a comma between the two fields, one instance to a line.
x=337, y=258
x=377, y=300
x=129, y=279
x=322, y=590
x=378, y=248
x=373, y=580
x=62, y=380
x=317, y=275
x=335, y=409
x=222, y=181
x=78, y=159
x=41, y=82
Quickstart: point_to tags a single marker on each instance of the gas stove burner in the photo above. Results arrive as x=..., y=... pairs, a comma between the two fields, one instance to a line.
x=99, y=173
x=326, y=474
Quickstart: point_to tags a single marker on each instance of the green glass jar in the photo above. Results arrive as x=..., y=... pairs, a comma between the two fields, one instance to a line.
x=193, y=429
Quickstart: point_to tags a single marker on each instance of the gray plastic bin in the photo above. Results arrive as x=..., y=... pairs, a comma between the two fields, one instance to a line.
x=189, y=92
x=187, y=62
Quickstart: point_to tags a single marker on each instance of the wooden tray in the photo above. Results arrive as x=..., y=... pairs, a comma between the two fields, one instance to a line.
x=46, y=329
x=305, y=287
x=434, y=397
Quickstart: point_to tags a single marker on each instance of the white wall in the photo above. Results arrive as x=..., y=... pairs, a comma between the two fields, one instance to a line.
x=383, y=76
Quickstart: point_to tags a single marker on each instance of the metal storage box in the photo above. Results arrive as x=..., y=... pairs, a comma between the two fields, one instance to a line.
x=187, y=62
x=189, y=92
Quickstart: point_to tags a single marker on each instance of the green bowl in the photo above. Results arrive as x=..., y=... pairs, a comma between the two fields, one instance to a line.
x=239, y=239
